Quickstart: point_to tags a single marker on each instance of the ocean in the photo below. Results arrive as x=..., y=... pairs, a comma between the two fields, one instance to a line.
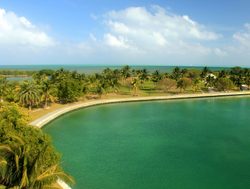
x=90, y=69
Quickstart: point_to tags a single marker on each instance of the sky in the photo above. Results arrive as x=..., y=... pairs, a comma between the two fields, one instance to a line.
x=133, y=32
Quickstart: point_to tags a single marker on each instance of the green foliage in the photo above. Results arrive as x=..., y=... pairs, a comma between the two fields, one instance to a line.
x=69, y=85
x=176, y=74
x=223, y=73
x=11, y=92
x=142, y=75
x=204, y=72
x=63, y=86
x=156, y=76
x=239, y=76
x=11, y=115
x=210, y=81
x=27, y=157
x=110, y=79
x=17, y=72
x=223, y=84
x=29, y=94
x=125, y=72
x=3, y=86
x=47, y=90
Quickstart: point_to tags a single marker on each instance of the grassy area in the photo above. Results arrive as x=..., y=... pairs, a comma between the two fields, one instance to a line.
x=37, y=113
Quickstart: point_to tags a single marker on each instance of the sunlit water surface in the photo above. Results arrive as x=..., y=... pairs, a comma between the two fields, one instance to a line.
x=183, y=144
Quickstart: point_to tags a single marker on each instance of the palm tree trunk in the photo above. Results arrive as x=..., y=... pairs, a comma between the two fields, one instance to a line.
x=46, y=102
x=30, y=106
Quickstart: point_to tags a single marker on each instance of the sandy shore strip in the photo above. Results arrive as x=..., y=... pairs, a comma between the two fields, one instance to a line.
x=40, y=122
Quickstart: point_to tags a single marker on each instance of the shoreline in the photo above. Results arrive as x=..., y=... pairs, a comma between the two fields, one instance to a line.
x=42, y=121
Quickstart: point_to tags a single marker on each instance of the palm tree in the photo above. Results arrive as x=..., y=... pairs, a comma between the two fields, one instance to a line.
x=204, y=72
x=29, y=94
x=134, y=84
x=46, y=89
x=210, y=81
x=142, y=75
x=11, y=90
x=238, y=75
x=125, y=72
x=176, y=74
x=100, y=87
x=110, y=79
x=17, y=171
x=222, y=74
x=156, y=76
x=247, y=77
x=3, y=87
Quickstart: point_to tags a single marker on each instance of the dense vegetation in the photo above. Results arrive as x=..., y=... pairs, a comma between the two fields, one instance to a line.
x=27, y=157
x=16, y=72
x=64, y=86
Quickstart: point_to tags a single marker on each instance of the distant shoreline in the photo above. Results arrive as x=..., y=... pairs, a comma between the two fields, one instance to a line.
x=8, y=76
x=91, y=69
x=42, y=121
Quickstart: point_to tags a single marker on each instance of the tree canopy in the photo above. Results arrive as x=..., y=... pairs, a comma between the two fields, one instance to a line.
x=27, y=157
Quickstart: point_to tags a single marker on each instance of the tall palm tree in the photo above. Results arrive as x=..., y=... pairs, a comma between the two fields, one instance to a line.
x=125, y=72
x=29, y=94
x=47, y=90
x=142, y=75
x=16, y=171
x=176, y=73
x=110, y=79
x=134, y=84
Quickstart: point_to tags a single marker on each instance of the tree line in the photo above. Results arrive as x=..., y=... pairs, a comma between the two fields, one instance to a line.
x=7, y=73
x=63, y=86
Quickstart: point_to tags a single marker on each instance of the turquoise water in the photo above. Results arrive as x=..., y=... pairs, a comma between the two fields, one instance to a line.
x=184, y=144
x=18, y=78
x=89, y=69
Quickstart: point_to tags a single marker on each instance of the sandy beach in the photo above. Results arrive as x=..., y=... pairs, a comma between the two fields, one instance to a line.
x=40, y=122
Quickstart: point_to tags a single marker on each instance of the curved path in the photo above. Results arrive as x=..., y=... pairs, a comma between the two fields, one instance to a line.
x=40, y=122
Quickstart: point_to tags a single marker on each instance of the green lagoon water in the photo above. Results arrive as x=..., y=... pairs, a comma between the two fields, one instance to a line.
x=182, y=144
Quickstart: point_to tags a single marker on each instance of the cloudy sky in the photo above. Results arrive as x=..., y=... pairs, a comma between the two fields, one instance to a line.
x=160, y=32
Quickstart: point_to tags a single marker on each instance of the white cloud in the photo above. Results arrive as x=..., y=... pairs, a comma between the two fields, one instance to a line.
x=156, y=31
x=219, y=52
x=135, y=35
x=239, y=46
x=15, y=30
x=114, y=41
x=121, y=43
x=243, y=37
